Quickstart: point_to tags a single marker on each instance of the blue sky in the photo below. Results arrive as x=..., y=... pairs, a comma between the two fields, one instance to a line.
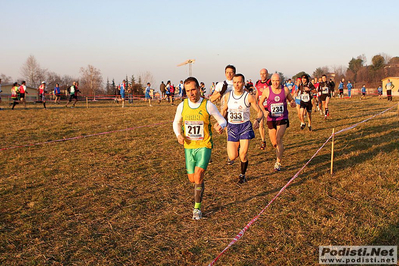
x=131, y=37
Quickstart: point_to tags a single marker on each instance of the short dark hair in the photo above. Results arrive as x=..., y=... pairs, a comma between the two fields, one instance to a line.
x=240, y=75
x=230, y=66
x=23, y=82
x=324, y=75
x=191, y=79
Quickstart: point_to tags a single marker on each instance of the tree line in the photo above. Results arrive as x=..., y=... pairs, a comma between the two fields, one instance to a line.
x=90, y=79
x=358, y=72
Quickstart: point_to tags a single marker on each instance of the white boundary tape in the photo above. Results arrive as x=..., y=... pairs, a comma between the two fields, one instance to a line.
x=241, y=233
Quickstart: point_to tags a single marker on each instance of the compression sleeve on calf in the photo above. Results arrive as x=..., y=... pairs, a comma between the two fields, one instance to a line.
x=177, y=120
x=213, y=111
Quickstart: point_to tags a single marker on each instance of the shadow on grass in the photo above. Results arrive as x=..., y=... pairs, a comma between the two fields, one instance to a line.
x=387, y=236
x=356, y=142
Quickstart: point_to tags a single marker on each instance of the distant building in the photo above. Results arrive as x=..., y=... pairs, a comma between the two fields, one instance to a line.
x=31, y=95
x=395, y=82
x=331, y=76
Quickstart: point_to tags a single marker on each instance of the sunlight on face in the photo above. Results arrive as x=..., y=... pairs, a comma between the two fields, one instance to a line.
x=275, y=81
x=263, y=75
x=238, y=83
x=229, y=73
x=192, y=91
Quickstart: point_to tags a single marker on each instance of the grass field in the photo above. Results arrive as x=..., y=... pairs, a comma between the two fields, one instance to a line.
x=124, y=198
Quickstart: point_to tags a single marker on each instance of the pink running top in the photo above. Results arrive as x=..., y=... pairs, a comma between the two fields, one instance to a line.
x=277, y=105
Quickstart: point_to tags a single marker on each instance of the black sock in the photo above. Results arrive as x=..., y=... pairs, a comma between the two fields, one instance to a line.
x=44, y=104
x=244, y=166
x=326, y=111
x=198, y=192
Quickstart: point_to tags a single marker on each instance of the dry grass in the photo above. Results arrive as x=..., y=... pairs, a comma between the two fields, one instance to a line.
x=124, y=198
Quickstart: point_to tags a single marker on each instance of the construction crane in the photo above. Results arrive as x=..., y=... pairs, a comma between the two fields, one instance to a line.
x=190, y=66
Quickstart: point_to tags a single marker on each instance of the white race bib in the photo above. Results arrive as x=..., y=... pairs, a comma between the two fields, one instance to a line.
x=324, y=90
x=236, y=116
x=305, y=97
x=194, y=130
x=277, y=109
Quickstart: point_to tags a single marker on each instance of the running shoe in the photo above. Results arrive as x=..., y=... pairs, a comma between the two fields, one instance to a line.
x=277, y=166
x=303, y=126
x=197, y=214
x=230, y=162
x=263, y=145
x=242, y=179
x=310, y=128
x=325, y=117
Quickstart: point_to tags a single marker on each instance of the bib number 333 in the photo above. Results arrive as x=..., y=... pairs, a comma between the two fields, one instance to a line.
x=236, y=116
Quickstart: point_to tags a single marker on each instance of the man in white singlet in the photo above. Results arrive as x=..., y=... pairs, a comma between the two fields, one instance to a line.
x=236, y=106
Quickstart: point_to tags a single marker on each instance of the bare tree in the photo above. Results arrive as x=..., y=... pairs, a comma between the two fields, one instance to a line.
x=147, y=77
x=320, y=71
x=90, y=80
x=51, y=79
x=387, y=57
x=5, y=79
x=32, y=72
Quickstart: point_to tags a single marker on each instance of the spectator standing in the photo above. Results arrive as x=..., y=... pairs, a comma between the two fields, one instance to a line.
x=181, y=88
x=349, y=86
x=167, y=90
x=332, y=87
x=162, y=88
x=389, y=87
x=379, y=90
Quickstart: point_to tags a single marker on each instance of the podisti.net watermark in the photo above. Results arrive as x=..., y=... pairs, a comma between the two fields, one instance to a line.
x=358, y=255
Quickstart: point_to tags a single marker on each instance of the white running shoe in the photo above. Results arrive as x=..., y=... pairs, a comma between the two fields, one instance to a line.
x=197, y=214
x=277, y=166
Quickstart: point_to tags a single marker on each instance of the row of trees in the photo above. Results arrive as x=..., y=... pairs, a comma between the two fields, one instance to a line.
x=90, y=79
x=382, y=66
x=135, y=86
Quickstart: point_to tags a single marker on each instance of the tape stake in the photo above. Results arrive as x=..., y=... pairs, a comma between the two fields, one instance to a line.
x=241, y=233
x=332, y=151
